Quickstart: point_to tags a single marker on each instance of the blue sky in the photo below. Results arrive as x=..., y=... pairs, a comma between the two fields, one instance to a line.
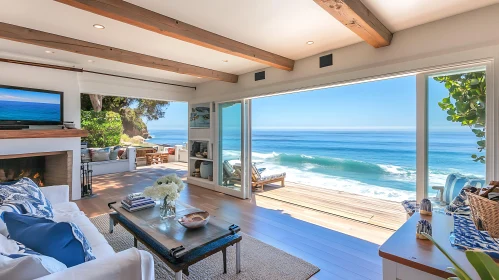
x=386, y=104
x=175, y=117
x=28, y=96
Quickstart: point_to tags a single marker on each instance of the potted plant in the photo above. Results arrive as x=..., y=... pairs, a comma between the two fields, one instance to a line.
x=484, y=265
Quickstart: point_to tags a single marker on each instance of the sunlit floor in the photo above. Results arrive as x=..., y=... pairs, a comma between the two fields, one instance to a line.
x=343, y=248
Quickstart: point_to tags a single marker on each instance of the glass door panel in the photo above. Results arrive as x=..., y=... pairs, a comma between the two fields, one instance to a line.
x=456, y=109
x=231, y=148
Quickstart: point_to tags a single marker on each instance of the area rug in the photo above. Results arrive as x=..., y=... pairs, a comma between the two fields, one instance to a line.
x=258, y=260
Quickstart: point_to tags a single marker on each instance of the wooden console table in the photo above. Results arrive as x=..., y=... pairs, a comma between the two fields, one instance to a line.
x=407, y=258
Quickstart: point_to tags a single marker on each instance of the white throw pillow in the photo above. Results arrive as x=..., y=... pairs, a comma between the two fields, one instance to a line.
x=19, y=262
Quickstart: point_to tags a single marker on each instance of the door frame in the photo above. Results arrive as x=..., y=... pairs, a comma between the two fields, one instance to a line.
x=245, y=191
x=492, y=118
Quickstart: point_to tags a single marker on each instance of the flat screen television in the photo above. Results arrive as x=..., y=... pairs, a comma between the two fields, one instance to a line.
x=27, y=106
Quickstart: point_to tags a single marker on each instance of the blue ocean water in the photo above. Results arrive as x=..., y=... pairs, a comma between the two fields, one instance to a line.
x=168, y=136
x=374, y=163
x=29, y=111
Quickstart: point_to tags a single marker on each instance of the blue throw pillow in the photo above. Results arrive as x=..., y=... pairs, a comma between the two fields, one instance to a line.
x=62, y=241
x=27, y=190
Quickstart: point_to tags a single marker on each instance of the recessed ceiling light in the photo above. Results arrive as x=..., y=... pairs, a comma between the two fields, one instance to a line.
x=91, y=61
x=99, y=26
x=310, y=42
x=49, y=51
x=225, y=60
x=199, y=77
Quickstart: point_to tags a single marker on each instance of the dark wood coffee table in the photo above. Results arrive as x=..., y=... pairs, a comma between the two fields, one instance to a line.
x=177, y=246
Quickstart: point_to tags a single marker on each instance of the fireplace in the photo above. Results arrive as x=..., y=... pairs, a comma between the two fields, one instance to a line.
x=46, y=169
x=16, y=168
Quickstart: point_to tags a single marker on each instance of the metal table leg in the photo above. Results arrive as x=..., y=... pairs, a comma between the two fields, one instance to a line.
x=238, y=257
x=111, y=225
x=135, y=242
x=178, y=275
x=224, y=255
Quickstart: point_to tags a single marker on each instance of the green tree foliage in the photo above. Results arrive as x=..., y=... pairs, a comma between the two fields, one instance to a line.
x=104, y=128
x=466, y=104
x=133, y=111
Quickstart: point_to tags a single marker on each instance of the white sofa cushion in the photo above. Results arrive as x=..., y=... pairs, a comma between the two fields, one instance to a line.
x=131, y=264
x=69, y=212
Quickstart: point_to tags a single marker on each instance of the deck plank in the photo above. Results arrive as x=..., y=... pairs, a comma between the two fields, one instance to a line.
x=378, y=212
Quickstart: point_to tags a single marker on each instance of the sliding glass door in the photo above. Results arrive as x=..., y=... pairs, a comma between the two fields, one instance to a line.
x=452, y=132
x=233, y=150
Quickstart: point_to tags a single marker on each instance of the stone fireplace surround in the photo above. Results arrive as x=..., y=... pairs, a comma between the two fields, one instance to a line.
x=62, y=158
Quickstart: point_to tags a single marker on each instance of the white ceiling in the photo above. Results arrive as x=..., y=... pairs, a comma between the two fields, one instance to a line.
x=279, y=26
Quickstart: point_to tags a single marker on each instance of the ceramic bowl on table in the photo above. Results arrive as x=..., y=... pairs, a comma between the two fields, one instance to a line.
x=195, y=220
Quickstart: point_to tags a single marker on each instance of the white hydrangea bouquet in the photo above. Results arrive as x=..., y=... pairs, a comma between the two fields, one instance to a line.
x=166, y=189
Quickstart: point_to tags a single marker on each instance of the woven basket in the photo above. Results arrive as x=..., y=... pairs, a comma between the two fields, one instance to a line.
x=485, y=214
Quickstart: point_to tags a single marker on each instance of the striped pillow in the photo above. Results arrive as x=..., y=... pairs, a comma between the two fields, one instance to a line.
x=15, y=206
x=455, y=183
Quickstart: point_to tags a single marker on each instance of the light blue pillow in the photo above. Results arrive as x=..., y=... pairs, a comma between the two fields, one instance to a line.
x=113, y=154
x=63, y=241
x=27, y=190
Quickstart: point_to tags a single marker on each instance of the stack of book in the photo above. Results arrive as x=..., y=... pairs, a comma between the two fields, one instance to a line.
x=137, y=201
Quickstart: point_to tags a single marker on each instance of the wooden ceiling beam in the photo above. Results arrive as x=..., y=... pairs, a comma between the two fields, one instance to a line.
x=152, y=21
x=358, y=18
x=53, y=41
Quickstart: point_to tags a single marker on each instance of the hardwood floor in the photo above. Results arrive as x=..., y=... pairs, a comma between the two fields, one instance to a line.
x=322, y=239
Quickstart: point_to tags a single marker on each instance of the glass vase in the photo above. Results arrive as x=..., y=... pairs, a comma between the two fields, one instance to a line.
x=167, y=209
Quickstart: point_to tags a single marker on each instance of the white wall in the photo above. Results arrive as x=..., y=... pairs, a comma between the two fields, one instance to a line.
x=464, y=37
x=106, y=85
x=49, y=79
x=72, y=84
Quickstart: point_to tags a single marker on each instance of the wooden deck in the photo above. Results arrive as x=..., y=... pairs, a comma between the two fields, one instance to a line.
x=383, y=213
x=343, y=247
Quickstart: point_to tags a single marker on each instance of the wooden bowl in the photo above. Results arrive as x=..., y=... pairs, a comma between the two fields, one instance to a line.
x=195, y=220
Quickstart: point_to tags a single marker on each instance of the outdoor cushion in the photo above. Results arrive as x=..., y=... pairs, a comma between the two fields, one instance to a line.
x=114, y=151
x=255, y=174
x=228, y=167
x=272, y=176
x=100, y=154
x=122, y=153
x=27, y=190
x=85, y=155
x=63, y=241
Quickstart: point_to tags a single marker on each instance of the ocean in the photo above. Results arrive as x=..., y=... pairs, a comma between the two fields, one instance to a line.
x=379, y=164
x=29, y=111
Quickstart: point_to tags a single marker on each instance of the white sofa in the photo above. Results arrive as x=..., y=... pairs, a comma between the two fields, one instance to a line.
x=131, y=264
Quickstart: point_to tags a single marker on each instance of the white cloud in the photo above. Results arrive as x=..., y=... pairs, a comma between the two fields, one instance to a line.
x=13, y=98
